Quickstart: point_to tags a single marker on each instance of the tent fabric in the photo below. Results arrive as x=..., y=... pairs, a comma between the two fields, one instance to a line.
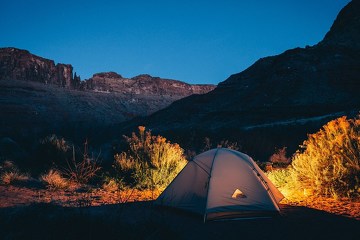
x=222, y=183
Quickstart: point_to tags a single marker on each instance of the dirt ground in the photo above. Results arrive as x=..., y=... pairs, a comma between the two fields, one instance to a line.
x=33, y=212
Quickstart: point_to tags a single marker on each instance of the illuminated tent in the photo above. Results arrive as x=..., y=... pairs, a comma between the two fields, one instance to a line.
x=222, y=183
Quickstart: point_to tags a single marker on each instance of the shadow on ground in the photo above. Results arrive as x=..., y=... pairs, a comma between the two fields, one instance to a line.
x=142, y=220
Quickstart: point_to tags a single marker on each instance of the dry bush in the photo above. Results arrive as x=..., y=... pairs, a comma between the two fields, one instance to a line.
x=222, y=144
x=112, y=184
x=284, y=179
x=330, y=161
x=279, y=158
x=14, y=177
x=54, y=180
x=151, y=162
x=57, y=143
x=328, y=164
x=9, y=173
x=81, y=171
x=280, y=177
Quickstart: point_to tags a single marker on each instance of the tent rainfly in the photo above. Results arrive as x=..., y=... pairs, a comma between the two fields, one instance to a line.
x=222, y=183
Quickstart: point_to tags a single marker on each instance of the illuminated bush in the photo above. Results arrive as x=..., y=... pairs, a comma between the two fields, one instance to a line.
x=9, y=173
x=150, y=162
x=279, y=158
x=280, y=177
x=54, y=180
x=329, y=163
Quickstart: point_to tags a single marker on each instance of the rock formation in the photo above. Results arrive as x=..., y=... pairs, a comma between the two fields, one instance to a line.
x=143, y=84
x=16, y=64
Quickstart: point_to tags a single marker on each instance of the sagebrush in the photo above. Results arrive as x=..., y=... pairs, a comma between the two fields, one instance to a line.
x=328, y=162
x=151, y=161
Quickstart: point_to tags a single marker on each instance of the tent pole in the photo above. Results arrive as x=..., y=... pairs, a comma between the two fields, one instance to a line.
x=267, y=187
x=207, y=193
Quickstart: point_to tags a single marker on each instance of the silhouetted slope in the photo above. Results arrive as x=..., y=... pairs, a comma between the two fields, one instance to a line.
x=278, y=99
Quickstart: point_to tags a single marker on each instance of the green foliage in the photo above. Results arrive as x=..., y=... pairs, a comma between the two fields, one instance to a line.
x=151, y=161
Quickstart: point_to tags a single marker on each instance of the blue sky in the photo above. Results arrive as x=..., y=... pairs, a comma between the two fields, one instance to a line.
x=188, y=40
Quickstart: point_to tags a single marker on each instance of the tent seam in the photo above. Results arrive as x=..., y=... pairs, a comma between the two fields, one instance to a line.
x=207, y=193
x=268, y=190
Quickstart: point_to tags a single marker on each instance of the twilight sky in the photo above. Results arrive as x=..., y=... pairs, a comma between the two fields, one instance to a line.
x=196, y=41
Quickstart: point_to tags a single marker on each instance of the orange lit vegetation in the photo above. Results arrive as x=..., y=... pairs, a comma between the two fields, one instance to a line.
x=54, y=180
x=9, y=173
x=151, y=162
x=327, y=166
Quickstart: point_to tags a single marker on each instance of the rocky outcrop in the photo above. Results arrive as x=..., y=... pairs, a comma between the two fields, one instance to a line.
x=16, y=64
x=36, y=100
x=143, y=85
x=345, y=30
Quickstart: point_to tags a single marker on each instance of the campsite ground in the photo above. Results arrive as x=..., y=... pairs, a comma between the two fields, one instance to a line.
x=37, y=213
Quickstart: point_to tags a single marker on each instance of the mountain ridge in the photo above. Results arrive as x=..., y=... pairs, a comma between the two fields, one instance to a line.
x=300, y=83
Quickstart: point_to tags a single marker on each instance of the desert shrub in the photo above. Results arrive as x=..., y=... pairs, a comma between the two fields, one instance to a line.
x=81, y=171
x=150, y=162
x=279, y=158
x=281, y=178
x=113, y=183
x=221, y=144
x=14, y=177
x=76, y=165
x=59, y=144
x=54, y=180
x=9, y=173
x=329, y=162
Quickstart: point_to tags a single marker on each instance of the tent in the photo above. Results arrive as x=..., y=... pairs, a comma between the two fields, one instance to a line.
x=222, y=183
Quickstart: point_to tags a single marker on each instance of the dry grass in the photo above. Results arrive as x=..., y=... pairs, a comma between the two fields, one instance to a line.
x=54, y=180
x=13, y=177
x=111, y=185
x=9, y=173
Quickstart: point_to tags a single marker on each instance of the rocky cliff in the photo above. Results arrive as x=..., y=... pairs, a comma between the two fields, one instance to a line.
x=143, y=84
x=277, y=100
x=38, y=98
x=16, y=64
